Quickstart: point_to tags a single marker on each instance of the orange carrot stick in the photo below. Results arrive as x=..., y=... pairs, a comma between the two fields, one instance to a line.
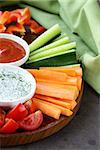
x=71, y=71
x=54, y=101
x=64, y=111
x=58, y=91
x=69, y=81
x=48, y=74
x=47, y=108
x=73, y=103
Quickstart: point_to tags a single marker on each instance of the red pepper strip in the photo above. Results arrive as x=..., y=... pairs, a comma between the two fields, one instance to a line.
x=4, y=17
x=15, y=28
x=2, y=28
x=38, y=30
x=13, y=18
x=25, y=16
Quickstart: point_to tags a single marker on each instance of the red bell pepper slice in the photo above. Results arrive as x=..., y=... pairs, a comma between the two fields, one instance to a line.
x=2, y=28
x=15, y=28
x=4, y=17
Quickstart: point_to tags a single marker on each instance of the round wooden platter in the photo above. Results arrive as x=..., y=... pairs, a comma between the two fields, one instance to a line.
x=49, y=127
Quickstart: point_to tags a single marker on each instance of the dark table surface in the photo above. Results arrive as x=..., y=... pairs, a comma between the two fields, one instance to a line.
x=81, y=134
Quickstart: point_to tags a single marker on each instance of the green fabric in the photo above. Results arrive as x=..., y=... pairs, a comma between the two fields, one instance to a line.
x=81, y=17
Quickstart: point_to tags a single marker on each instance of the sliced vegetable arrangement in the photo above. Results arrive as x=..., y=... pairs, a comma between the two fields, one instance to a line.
x=48, y=49
x=58, y=76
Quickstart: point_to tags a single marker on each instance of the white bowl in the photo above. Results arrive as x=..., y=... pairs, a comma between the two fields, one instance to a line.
x=22, y=43
x=26, y=76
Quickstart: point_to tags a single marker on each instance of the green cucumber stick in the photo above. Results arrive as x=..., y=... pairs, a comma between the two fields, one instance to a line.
x=62, y=41
x=60, y=37
x=52, y=55
x=52, y=52
x=45, y=37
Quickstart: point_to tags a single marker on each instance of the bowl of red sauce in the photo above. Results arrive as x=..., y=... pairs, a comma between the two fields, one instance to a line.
x=13, y=50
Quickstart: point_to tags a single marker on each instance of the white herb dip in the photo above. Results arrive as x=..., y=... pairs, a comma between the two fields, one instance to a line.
x=14, y=84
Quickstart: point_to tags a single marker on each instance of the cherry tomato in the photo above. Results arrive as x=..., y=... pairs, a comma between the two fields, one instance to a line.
x=2, y=117
x=32, y=122
x=9, y=127
x=18, y=113
x=30, y=106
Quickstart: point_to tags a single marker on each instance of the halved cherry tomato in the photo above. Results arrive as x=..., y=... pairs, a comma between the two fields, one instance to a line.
x=32, y=122
x=19, y=112
x=30, y=106
x=2, y=117
x=9, y=127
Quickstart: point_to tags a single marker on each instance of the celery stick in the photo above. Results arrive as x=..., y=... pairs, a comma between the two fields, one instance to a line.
x=60, y=37
x=50, y=56
x=52, y=52
x=45, y=37
x=52, y=45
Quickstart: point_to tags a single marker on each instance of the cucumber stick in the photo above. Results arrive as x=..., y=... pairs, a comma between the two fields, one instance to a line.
x=68, y=58
x=52, y=52
x=45, y=37
x=62, y=41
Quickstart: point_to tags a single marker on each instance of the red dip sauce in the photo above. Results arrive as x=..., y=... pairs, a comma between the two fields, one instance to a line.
x=10, y=51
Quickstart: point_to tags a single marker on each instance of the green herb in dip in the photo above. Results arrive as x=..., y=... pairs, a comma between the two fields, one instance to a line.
x=13, y=85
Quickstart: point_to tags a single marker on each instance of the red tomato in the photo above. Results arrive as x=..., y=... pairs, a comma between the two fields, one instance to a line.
x=18, y=113
x=30, y=106
x=32, y=122
x=2, y=117
x=10, y=127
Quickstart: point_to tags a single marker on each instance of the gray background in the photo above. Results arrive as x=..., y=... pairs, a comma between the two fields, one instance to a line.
x=81, y=134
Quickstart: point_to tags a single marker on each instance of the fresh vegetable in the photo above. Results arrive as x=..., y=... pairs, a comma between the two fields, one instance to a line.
x=15, y=28
x=4, y=17
x=47, y=108
x=60, y=37
x=63, y=49
x=54, y=101
x=49, y=75
x=71, y=71
x=60, y=60
x=9, y=127
x=32, y=122
x=17, y=21
x=30, y=106
x=18, y=113
x=52, y=45
x=58, y=91
x=2, y=117
x=45, y=37
x=64, y=111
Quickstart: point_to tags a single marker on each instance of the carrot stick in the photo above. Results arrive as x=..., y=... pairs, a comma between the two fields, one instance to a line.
x=69, y=81
x=47, y=108
x=48, y=74
x=71, y=71
x=58, y=91
x=64, y=111
x=54, y=101
x=73, y=103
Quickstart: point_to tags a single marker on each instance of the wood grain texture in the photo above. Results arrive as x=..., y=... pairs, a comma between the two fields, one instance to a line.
x=49, y=127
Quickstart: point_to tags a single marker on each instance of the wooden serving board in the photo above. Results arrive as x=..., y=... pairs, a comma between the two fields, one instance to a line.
x=49, y=127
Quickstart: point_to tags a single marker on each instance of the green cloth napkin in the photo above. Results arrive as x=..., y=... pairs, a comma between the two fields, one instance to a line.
x=81, y=17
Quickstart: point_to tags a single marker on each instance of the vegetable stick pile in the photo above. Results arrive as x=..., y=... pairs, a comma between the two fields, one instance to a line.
x=57, y=89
